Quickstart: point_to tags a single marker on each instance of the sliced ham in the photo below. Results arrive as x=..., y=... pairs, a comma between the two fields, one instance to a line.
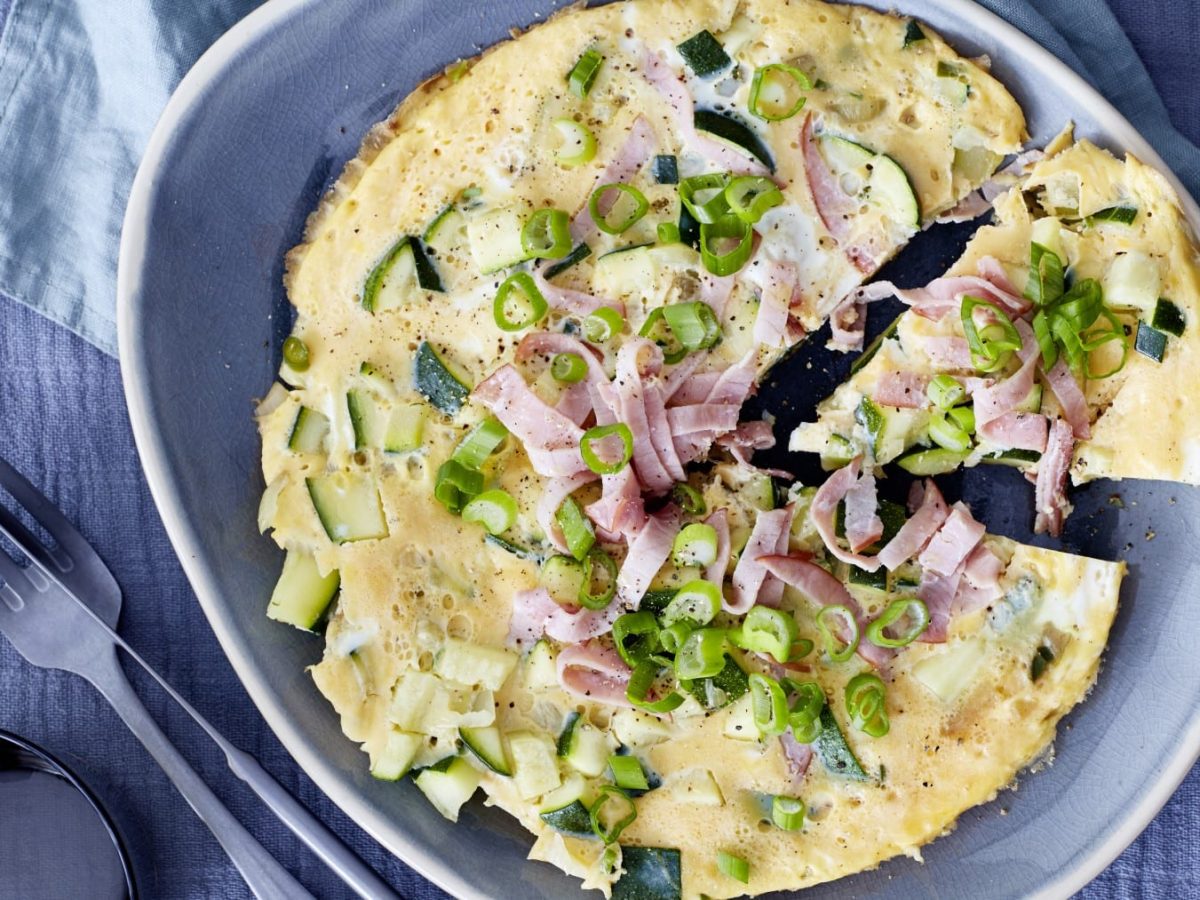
x=1050, y=493
x=577, y=303
x=661, y=432
x=848, y=324
x=824, y=513
x=998, y=400
x=776, y=282
x=554, y=492
x=714, y=417
x=535, y=614
x=835, y=207
x=944, y=295
x=647, y=553
x=594, y=672
x=715, y=290
x=715, y=573
x=796, y=757
x=632, y=410
x=930, y=512
x=752, y=583
x=736, y=383
x=681, y=375
x=863, y=525
x=673, y=90
x=948, y=352
x=1070, y=399
x=904, y=390
x=695, y=389
x=620, y=509
x=1017, y=431
x=551, y=440
x=639, y=145
x=748, y=437
x=953, y=542
x=575, y=402
x=980, y=585
x=824, y=589
x=938, y=593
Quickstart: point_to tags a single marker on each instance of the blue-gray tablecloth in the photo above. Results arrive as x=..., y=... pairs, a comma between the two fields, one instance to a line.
x=65, y=425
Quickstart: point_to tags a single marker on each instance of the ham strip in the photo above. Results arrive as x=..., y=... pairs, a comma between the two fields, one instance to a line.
x=577, y=303
x=915, y=533
x=1050, y=493
x=824, y=589
x=551, y=440
x=695, y=389
x=944, y=295
x=711, y=417
x=1070, y=398
x=948, y=352
x=863, y=525
x=796, y=757
x=631, y=409
x=715, y=573
x=998, y=400
x=981, y=581
x=555, y=491
x=1018, y=431
x=681, y=375
x=938, y=592
x=673, y=90
x=834, y=206
x=824, y=511
x=575, y=402
x=647, y=553
x=547, y=344
x=748, y=437
x=751, y=581
x=715, y=290
x=736, y=383
x=776, y=282
x=948, y=549
x=848, y=324
x=904, y=390
x=661, y=432
x=639, y=145
x=620, y=509
x=535, y=613
x=595, y=672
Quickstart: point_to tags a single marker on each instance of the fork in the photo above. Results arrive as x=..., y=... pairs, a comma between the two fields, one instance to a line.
x=43, y=614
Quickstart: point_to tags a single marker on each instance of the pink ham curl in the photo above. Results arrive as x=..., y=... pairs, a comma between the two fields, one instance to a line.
x=944, y=295
x=620, y=511
x=752, y=583
x=903, y=390
x=631, y=408
x=648, y=551
x=719, y=520
x=981, y=581
x=824, y=512
x=672, y=89
x=1050, y=492
x=915, y=533
x=639, y=145
x=741, y=443
x=550, y=439
x=796, y=757
x=535, y=613
x=595, y=672
x=824, y=589
x=996, y=419
x=776, y=282
x=949, y=548
x=863, y=525
x=577, y=303
x=1070, y=398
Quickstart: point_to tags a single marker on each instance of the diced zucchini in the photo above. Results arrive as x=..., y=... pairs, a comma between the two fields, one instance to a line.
x=447, y=232
x=439, y=385
x=534, y=762
x=475, y=664
x=759, y=491
x=400, y=277
x=834, y=753
x=302, y=593
x=876, y=580
x=488, y=746
x=912, y=33
x=309, y=431
x=449, y=790
x=1168, y=317
x=1032, y=402
x=696, y=786
x=367, y=418
x=733, y=131
x=540, y=668
x=517, y=550
x=650, y=873
x=721, y=689
x=573, y=819
x=739, y=721
x=1150, y=342
x=348, y=505
x=974, y=164
x=395, y=759
x=634, y=728
x=952, y=86
x=704, y=54
x=838, y=451
x=875, y=177
x=624, y=273
x=1012, y=457
x=1133, y=281
x=1048, y=232
x=495, y=238
x=890, y=431
x=405, y=428
x=935, y=461
x=578, y=253
x=665, y=169
x=951, y=669
x=1122, y=215
x=584, y=747
x=893, y=517
x=418, y=698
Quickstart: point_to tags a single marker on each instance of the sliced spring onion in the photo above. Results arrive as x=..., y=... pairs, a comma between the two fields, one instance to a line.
x=749, y=196
x=801, y=647
x=577, y=144
x=520, y=290
x=1045, y=339
x=593, y=436
x=695, y=545
x=804, y=716
x=787, y=813
x=656, y=329
x=628, y=773
x=694, y=324
x=638, y=692
x=696, y=603
x=828, y=621
x=964, y=417
x=702, y=654
x=603, y=325
x=636, y=636
x=480, y=443
x=991, y=346
x=769, y=705
x=725, y=245
x=456, y=484
x=616, y=207
x=918, y=621
x=609, y=825
x=598, y=562
x=947, y=433
x=733, y=866
x=704, y=196
x=672, y=636
x=766, y=630
x=777, y=92
x=944, y=391
x=562, y=577
x=295, y=354
x=1094, y=340
x=568, y=368
x=866, y=704
x=690, y=500
x=1046, y=282
x=668, y=233
x=547, y=235
x=576, y=528
x=495, y=510
x=583, y=74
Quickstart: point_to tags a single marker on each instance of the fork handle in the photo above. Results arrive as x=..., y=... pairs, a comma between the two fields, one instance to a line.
x=261, y=871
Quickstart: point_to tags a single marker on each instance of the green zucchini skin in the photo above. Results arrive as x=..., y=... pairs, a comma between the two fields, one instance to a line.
x=436, y=382
x=1150, y=342
x=651, y=873
x=835, y=754
x=571, y=819
x=732, y=681
x=578, y=253
x=704, y=54
x=735, y=131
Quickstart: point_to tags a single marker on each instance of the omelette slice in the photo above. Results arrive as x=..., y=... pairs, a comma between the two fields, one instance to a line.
x=1084, y=338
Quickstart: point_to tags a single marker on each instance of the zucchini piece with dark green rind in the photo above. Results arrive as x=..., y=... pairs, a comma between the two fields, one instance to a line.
x=426, y=275
x=517, y=550
x=721, y=689
x=704, y=54
x=1150, y=342
x=348, y=506
x=665, y=169
x=309, y=431
x=913, y=33
x=1168, y=317
x=834, y=753
x=434, y=380
x=650, y=873
x=873, y=347
x=302, y=595
x=734, y=131
x=487, y=745
x=578, y=253
x=572, y=819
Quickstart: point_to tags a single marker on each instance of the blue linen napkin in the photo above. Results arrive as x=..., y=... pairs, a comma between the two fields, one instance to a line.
x=82, y=84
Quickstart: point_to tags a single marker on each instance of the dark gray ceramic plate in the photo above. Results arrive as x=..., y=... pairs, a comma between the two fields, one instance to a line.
x=251, y=138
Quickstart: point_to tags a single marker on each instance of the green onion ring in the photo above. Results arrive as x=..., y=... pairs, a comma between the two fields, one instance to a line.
x=599, y=433
x=727, y=227
x=640, y=206
x=587, y=599
x=918, y=614
x=772, y=76
x=610, y=834
x=522, y=283
x=836, y=651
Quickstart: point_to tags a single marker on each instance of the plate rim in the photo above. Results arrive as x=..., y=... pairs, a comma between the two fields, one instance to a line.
x=188, y=548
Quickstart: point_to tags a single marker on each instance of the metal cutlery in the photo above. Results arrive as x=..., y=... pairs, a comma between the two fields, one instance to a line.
x=59, y=604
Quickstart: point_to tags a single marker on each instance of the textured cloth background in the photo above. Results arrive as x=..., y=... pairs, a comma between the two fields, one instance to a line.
x=63, y=420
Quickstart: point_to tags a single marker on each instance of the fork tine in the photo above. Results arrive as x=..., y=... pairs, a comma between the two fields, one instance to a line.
x=15, y=580
x=74, y=563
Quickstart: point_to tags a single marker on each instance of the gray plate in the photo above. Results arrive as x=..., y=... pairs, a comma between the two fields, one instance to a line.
x=253, y=135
